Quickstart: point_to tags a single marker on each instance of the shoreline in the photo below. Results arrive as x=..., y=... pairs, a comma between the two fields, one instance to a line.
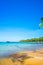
x=26, y=57
x=39, y=51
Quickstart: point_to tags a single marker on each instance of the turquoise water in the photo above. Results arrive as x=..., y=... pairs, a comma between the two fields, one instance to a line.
x=10, y=48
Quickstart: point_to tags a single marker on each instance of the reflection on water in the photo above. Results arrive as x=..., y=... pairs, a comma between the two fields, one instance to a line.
x=10, y=48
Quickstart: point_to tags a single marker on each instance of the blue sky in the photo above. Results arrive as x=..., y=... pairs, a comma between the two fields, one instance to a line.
x=19, y=19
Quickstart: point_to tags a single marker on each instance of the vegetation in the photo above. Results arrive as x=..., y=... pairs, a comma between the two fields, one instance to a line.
x=41, y=24
x=42, y=19
x=33, y=40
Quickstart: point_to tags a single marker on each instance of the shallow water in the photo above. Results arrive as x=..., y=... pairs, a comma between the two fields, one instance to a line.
x=10, y=48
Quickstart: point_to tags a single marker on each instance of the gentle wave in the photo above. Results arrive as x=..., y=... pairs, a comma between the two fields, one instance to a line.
x=10, y=48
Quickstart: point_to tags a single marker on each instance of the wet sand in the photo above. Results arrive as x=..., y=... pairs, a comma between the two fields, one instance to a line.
x=24, y=58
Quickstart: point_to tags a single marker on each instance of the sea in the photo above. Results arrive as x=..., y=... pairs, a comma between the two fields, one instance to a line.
x=15, y=47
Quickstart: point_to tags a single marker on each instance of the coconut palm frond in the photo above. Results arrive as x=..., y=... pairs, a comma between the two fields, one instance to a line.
x=41, y=25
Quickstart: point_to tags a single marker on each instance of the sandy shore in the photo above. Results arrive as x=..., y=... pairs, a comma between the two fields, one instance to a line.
x=24, y=58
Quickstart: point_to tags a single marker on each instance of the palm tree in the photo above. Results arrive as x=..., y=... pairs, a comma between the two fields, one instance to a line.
x=42, y=19
x=41, y=24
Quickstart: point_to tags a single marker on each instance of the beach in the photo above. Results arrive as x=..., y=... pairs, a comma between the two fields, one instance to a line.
x=24, y=58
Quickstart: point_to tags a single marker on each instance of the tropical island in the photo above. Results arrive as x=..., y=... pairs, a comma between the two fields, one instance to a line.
x=19, y=21
x=33, y=40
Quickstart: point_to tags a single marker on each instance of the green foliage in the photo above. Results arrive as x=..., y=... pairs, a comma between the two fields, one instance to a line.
x=33, y=40
x=41, y=24
x=42, y=19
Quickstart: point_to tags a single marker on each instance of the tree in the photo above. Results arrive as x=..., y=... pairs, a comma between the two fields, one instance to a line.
x=41, y=24
x=42, y=19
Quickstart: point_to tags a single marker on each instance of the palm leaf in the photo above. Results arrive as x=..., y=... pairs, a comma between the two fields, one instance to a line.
x=41, y=25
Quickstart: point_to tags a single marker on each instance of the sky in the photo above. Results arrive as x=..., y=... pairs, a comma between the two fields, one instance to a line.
x=19, y=19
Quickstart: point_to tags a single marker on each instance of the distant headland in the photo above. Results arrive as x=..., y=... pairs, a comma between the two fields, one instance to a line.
x=33, y=40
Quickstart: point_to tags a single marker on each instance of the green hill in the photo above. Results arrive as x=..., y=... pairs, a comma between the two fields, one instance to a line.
x=33, y=40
